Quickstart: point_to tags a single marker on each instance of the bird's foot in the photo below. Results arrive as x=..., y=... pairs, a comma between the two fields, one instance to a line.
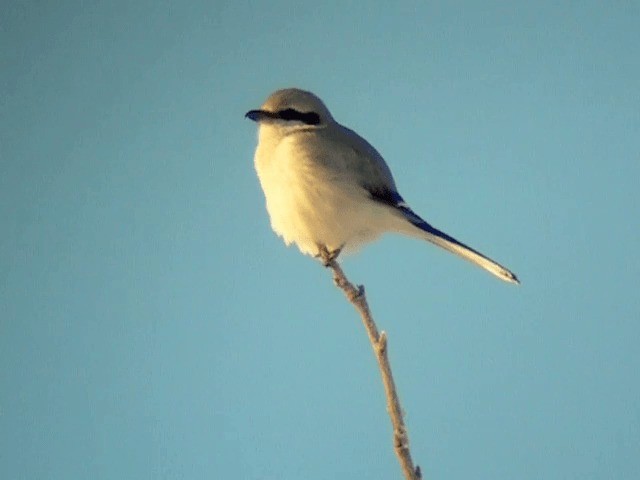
x=327, y=256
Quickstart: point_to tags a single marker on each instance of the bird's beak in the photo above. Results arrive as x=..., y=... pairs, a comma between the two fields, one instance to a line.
x=257, y=115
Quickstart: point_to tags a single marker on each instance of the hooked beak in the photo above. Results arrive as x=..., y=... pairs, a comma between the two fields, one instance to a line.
x=258, y=115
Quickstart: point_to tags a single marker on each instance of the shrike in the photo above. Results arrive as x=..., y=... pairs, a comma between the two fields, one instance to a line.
x=328, y=190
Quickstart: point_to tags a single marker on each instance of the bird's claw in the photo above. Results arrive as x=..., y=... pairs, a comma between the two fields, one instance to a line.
x=327, y=256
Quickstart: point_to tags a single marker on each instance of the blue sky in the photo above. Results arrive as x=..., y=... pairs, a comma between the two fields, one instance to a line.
x=152, y=326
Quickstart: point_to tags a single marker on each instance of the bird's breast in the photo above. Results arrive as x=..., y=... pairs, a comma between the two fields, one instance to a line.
x=309, y=203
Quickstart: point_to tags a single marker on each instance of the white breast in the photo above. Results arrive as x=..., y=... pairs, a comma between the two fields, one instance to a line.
x=309, y=202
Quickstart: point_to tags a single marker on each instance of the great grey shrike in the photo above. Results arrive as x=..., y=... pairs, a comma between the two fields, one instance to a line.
x=328, y=190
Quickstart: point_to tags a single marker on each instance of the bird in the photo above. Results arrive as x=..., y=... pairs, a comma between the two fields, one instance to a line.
x=328, y=190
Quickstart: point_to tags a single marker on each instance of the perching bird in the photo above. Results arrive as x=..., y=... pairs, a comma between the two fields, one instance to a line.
x=328, y=189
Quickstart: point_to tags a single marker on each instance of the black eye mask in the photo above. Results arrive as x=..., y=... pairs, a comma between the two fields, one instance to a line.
x=308, y=118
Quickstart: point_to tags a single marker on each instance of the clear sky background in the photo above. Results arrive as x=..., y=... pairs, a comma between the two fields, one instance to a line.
x=153, y=327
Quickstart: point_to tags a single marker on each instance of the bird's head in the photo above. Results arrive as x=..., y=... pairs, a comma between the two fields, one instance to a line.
x=292, y=109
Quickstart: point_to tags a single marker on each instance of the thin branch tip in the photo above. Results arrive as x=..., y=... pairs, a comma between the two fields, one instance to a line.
x=356, y=296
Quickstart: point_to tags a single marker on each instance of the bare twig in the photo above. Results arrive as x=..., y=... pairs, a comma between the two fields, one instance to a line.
x=357, y=297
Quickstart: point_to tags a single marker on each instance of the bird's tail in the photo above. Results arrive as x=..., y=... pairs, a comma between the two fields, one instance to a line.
x=441, y=239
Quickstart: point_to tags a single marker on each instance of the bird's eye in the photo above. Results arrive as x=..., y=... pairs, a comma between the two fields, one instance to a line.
x=308, y=118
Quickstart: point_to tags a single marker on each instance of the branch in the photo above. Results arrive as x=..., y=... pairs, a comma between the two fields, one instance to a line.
x=379, y=344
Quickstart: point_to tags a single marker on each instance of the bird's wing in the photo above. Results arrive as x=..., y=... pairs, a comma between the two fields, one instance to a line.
x=362, y=162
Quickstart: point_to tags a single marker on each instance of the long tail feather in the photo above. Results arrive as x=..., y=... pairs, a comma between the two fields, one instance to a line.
x=441, y=239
